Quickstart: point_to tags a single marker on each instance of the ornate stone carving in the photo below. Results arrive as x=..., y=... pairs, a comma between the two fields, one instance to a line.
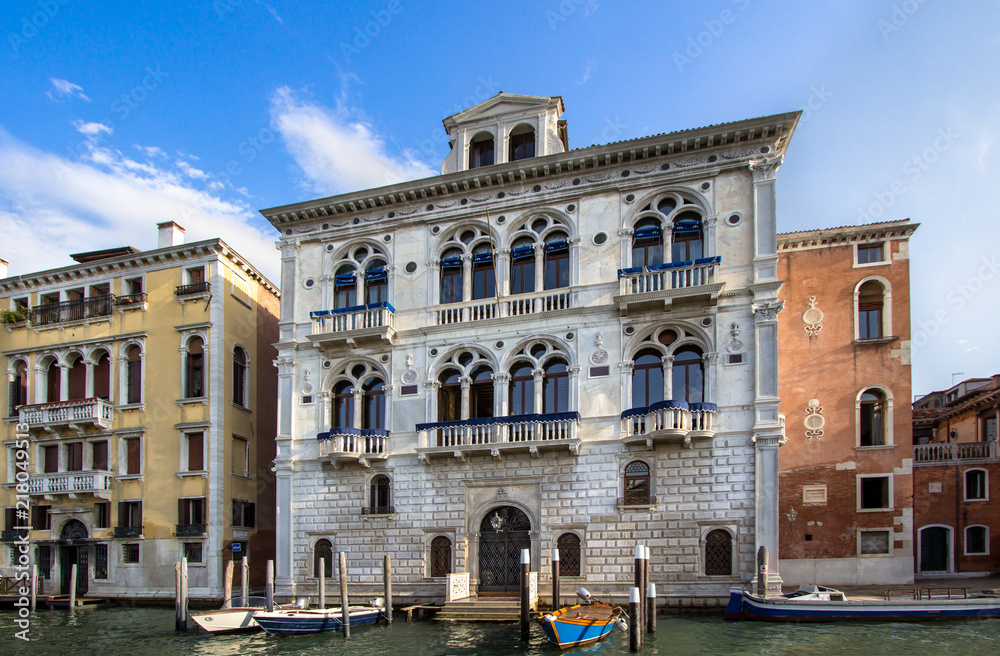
x=814, y=421
x=765, y=168
x=502, y=494
x=600, y=356
x=286, y=366
x=409, y=377
x=813, y=318
x=767, y=311
x=307, y=386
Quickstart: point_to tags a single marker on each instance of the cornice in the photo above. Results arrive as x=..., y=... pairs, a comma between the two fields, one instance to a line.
x=846, y=235
x=725, y=145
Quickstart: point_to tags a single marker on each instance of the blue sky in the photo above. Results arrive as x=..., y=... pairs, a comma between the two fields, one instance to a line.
x=118, y=115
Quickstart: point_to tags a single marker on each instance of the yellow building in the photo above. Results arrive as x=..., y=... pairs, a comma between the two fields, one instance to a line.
x=141, y=387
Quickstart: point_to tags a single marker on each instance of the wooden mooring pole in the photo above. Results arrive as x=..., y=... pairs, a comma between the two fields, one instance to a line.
x=72, y=587
x=269, y=585
x=387, y=580
x=634, y=623
x=639, y=552
x=645, y=582
x=525, y=598
x=184, y=594
x=34, y=586
x=555, y=580
x=345, y=610
x=177, y=596
x=245, y=579
x=762, y=572
x=227, y=594
x=651, y=608
x=322, y=583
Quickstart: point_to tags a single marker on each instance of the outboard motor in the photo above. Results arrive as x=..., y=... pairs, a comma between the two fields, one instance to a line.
x=582, y=593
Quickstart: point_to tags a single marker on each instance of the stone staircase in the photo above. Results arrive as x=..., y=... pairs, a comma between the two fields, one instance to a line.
x=482, y=609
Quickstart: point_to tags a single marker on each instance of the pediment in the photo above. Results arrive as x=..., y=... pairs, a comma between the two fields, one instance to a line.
x=505, y=104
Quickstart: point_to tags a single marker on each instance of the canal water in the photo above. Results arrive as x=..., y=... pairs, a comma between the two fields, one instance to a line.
x=150, y=631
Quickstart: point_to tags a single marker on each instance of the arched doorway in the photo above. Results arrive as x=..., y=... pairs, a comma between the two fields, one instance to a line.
x=503, y=533
x=72, y=552
x=935, y=549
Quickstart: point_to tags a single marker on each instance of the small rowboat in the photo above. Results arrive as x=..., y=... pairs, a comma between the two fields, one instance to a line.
x=236, y=615
x=581, y=624
x=284, y=623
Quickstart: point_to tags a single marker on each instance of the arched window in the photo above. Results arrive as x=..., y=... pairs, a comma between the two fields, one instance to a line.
x=870, y=310
x=343, y=405
x=53, y=382
x=440, y=556
x=522, y=389
x=133, y=375
x=688, y=375
x=522, y=266
x=568, y=545
x=556, y=261
x=481, y=150
x=686, y=244
x=452, y=276
x=522, y=143
x=872, y=418
x=324, y=550
x=345, y=287
x=240, y=376
x=977, y=540
x=374, y=409
x=484, y=284
x=195, y=369
x=102, y=377
x=77, y=376
x=636, y=484
x=376, y=282
x=555, y=387
x=647, y=379
x=17, y=394
x=450, y=395
x=381, y=504
x=976, y=485
x=719, y=553
x=647, y=243
x=481, y=393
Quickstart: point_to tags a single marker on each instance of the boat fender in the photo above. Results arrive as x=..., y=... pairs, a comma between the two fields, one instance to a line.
x=622, y=625
x=549, y=618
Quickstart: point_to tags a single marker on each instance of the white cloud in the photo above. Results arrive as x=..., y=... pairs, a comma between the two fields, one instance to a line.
x=62, y=88
x=51, y=206
x=337, y=152
x=92, y=129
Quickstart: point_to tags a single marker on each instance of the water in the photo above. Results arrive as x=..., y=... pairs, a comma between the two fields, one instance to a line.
x=150, y=631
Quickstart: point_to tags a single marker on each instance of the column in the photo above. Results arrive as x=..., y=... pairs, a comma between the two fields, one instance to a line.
x=502, y=263
x=708, y=232
x=668, y=377
x=626, y=369
x=283, y=468
x=574, y=261
x=668, y=242
x=574, y=388
x=88, y=384
x=466, y=385
x=539, y=267
x=709, y=362
x=501, y=394
x=63, y=382
x=625, y=238
x=466, y=278
x=539, y=375
x=326, y=291
x=765, y=172
x=286, y=324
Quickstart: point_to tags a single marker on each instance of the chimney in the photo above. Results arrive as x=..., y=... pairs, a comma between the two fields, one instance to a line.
x=170, y=234
x=3, y=268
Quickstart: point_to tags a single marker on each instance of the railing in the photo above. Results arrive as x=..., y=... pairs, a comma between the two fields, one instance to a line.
x=193, y=288
x=378, y=510
x=499, y=430
x=71, y=483
x=84, y=308
x=189, y=530
x=130, y=299
x=636, y=500
x=675, y=275
x=357, y=317
x=673, y=417
x=939, y=454
x=515, y=305
x=11, y=535
x=353, y=442
x=11, y=585
x=469, y=311
x=92, y=410
x=128, y=531
x=520, y=304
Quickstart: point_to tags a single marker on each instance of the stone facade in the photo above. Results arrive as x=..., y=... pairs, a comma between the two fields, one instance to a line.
x=586, y=398
x=846, y=495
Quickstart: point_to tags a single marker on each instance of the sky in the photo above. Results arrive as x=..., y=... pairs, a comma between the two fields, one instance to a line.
x=115, y=116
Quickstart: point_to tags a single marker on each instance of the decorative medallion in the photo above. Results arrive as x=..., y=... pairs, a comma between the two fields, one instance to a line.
x=600, y=356
x=502, y=494
x=813, y=318
x=814, y=421
x=409, y=377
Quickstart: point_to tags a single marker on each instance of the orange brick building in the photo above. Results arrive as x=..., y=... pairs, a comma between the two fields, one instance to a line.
x=955, y=471
x=846, y=481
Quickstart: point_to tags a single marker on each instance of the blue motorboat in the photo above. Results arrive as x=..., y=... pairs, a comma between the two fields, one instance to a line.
x=284, y=623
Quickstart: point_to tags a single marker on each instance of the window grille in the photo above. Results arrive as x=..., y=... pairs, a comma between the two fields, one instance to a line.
x=719, y=553
x=569, y=554
x=875, y=542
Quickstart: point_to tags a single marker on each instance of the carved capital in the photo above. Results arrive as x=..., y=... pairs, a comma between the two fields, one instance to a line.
x=287, y=248
x=285, y=366
x=764, y=312
x=625, y=232
x=765, y=168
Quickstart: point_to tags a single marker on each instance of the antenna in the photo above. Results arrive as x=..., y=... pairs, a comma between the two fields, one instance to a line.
x=957, y=373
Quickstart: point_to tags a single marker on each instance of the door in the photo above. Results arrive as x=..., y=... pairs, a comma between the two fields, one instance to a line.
x=70, y=556
x=934, y=549
x=504, y=532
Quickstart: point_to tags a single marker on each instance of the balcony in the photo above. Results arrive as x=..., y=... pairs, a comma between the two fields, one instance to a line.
x=499, y=435
x=354, y=327
x=131, y=302
x=669, y=422
x=515, y=305
x=78, y=415
x=187, y=530
x=76, y=485
x=128, y=531
x=78, y=310
x=659, y=285
x=346, y=445
x=965, y=453
x=12, y=535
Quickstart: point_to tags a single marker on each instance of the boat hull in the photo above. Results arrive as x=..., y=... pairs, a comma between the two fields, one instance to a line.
x=745, y=606
x=285, y=624
x=228, y=620
x=571, y=627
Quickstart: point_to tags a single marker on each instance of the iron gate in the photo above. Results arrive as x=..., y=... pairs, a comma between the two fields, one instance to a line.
x=504, y=532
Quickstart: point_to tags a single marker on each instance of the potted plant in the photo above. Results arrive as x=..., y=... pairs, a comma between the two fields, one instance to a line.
x=11, y=316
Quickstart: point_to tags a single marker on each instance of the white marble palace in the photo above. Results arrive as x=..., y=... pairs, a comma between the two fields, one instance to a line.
x=541, y=347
